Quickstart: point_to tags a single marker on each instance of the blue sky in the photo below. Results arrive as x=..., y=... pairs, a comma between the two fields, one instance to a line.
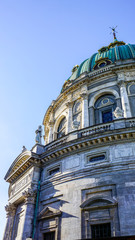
x=40, y=42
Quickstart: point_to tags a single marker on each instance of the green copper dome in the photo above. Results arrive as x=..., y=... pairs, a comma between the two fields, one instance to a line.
x=117, y=50
x=106, y=55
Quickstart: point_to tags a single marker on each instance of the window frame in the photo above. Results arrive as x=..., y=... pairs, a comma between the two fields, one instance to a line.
x=51, y=168
x=101, y=224
x=110, y=106
x=96, y=154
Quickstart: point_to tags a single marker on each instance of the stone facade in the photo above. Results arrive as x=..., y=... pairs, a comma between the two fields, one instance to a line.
x=83, y=177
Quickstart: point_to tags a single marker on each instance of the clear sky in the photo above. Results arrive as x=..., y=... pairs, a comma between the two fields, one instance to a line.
x=40, y=42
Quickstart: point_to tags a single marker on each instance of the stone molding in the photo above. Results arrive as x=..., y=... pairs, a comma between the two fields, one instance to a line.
x=100, y=139
x=49, y=212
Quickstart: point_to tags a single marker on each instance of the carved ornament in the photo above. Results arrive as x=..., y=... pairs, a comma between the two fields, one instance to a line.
x=130, y=76
x=10, y=209
x=29, y=196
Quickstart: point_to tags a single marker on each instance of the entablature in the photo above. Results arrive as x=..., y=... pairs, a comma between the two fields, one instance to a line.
x=117, y=130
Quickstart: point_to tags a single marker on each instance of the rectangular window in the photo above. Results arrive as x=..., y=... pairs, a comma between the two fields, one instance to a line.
x=97, y=158
x=53, y=170
x=101, y=231
x=49, y=236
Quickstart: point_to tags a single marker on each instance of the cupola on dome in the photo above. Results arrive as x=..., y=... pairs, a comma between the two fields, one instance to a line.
x=115, y=51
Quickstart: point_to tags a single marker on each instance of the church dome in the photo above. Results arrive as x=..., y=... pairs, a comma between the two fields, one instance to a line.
x=116, y=50
x=81, y=181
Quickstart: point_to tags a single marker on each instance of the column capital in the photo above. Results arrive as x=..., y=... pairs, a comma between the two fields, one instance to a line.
x=122, y=83
x=10, y=209
x=29, y=196
x=69, y=104
x=84, y=95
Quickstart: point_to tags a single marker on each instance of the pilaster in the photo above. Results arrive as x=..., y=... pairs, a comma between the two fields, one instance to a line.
x=10, y=209
x=69, y=118
x=51, y=125
x=91, y=116
x=29, y=198
x=124, y=97
x=85, y=120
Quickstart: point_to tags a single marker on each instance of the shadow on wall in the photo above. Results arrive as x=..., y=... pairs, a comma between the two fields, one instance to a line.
x=49, y=216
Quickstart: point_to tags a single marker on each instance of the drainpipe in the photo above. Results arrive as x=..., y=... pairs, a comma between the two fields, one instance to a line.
x=36, y=207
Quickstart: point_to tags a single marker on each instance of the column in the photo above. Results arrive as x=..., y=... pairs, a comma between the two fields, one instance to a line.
x=51, y=124
x=85, y=118
x=125, y=100
x=10, y=209
x=29, y=196
x=69, y=118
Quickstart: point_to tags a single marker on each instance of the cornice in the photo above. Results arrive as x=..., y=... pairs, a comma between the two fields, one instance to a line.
x=88, y=142
x=19, y=167
x=86, y=139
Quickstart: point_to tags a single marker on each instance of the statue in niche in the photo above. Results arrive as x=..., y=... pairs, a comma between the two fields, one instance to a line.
x=118, y=113
x=38, y=135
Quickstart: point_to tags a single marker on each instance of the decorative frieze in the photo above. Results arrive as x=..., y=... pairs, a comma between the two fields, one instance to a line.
x=130, y=76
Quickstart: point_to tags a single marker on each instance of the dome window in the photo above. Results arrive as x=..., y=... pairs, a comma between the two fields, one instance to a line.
x=103, y=49
x=102, y=62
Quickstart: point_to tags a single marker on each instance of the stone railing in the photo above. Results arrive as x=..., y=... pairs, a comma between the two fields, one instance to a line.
x=100, y=128
x=114, y=125
x=56, y=143
x=95, y=129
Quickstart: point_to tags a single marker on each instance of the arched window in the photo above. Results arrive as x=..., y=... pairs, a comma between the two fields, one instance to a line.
x=131, y=92
x=61, y=128
x=104, y=108
x=131, y=89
